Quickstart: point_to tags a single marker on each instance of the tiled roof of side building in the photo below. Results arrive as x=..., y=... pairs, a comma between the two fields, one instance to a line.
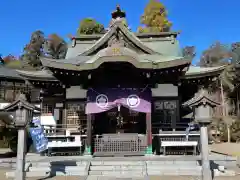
x=9, y=73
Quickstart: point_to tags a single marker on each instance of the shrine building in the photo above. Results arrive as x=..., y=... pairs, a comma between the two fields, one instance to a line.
x=118, y=84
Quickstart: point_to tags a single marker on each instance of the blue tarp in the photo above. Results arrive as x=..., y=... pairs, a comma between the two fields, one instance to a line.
x=40, y=141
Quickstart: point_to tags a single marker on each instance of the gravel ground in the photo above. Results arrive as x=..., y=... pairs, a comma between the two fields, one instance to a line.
x=227, y=148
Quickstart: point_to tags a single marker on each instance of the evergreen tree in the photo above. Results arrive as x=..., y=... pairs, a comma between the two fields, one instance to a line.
x=189, y=52
x=90, y=26
x=33, y=50
x=55, y=47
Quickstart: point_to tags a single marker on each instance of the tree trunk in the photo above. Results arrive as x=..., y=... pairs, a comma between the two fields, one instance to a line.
x=229, y=133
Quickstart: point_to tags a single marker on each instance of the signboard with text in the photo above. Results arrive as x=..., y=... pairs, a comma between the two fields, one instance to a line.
x=40, y=141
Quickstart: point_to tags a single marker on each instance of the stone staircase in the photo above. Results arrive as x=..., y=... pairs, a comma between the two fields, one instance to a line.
x=118, y=168
x=96, y=169
x=173, y=168
x=57, y=168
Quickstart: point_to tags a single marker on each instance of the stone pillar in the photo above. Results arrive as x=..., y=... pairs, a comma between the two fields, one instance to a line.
x=88, y=146
x=21, y=146
x=149, y=134
x=206, y=171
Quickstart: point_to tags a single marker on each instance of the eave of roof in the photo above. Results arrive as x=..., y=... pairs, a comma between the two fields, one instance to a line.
x=9, y=73
x=198, y=72
x=142, y=61
x=42, y=75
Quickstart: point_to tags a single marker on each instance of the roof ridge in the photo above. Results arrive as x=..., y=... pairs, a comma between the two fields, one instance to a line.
x=128, y=34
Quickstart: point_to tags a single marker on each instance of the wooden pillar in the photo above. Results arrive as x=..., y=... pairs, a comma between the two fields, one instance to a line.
x=64, y=109
x=88, y=146
x=149, y=134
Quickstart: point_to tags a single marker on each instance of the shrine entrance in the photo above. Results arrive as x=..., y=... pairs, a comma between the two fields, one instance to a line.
x=119, y=133
x=122, y=121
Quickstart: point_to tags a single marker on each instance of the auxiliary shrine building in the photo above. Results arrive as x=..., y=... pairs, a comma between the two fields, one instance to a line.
x=120, y=84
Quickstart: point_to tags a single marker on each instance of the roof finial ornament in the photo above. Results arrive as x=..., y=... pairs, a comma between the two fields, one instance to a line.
x=118, y=13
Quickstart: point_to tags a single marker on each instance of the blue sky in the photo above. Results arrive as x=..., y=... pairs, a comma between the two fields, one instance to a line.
x=201, y=22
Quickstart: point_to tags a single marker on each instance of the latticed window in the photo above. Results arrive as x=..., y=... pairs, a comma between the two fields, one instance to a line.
x=76, y=114
x=2, y=93
x=9, y=95
x=9, y=91
x=165, y=113
x=47, y=109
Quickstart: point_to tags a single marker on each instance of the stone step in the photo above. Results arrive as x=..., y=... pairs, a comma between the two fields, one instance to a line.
x=224, y=173
x=27, y=166
x=58, y=168
x=172, y=162
x=11, y=174
x=121, y=177
x=174, y=173
x=107, y=163
x=173, y=167
x=118, y=173
x=70, y=173
x=57, y=163
x=116, y=168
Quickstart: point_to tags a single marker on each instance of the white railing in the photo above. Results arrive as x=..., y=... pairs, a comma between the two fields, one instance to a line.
x=64, y=129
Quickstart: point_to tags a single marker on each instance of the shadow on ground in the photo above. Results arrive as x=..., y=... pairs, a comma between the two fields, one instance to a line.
x=59, y=166
x=213, y=166
x=8, y=155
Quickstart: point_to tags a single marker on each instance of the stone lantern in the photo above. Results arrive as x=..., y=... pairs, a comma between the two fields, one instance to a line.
x=202, y=105
x=19, y=114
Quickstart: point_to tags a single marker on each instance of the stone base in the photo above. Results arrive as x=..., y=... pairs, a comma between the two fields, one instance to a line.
x=149, y=155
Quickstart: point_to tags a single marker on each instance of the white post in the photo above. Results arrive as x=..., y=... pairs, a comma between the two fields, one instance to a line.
x=206, y=171
x=21, y=144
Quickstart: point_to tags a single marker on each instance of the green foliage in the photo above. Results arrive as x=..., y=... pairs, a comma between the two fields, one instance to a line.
x=189, y=52
x=55, y=47
x=10, y=138
x=220, y=54
x=33, y=50
x=216, y=55
x=234, y=129
x=90, y=26
x=235, y=52
x=155, y=18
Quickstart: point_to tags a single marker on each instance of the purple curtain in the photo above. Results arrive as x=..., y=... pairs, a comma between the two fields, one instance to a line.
x=100, y=100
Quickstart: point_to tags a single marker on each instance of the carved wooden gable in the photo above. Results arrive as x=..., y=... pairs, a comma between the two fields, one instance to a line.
x=119, y=39
x=119, y=36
